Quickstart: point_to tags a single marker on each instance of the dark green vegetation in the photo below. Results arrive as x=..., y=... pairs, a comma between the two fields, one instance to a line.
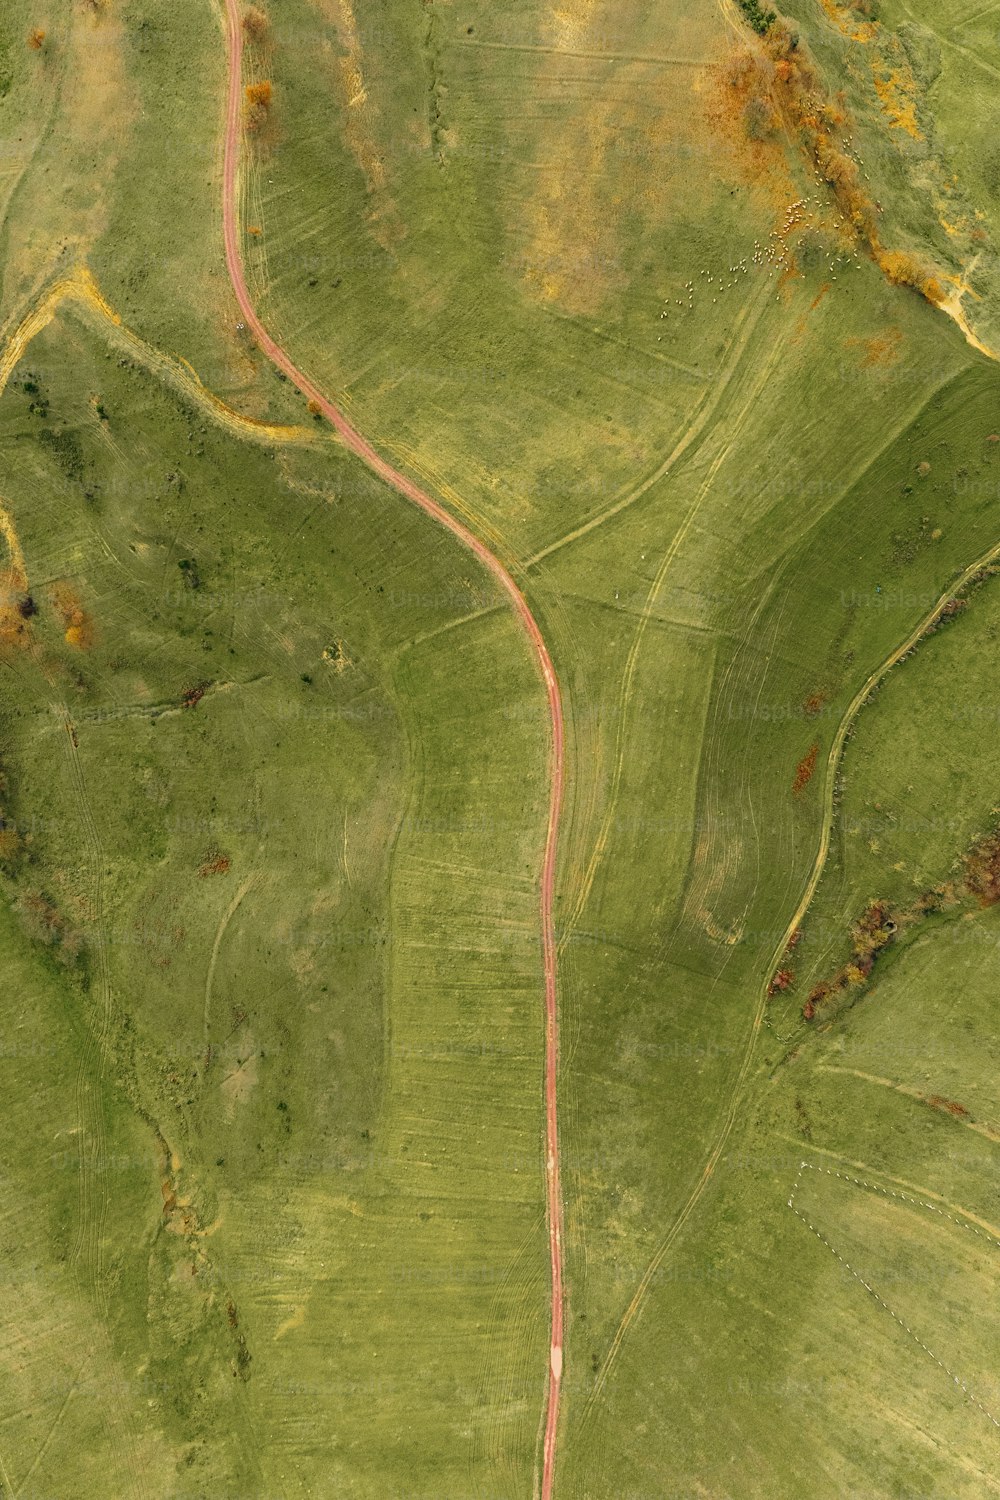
x=274, y=760
x=757, y=15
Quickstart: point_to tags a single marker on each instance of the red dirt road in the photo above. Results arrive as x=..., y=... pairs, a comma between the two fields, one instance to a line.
x=404, y=486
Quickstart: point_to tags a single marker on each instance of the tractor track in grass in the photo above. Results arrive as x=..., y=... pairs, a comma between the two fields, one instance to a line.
x=358, y=445
x=739, y=1087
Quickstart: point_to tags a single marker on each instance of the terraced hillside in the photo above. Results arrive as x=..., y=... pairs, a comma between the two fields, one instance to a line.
x=564, y=442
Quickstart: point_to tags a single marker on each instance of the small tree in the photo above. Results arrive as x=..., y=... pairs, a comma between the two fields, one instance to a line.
x=36, y=39
x=259, y=96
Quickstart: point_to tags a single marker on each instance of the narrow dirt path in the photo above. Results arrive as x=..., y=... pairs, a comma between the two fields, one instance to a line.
x=406, y=487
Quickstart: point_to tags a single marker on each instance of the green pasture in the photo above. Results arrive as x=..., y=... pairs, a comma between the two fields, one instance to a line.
x=222, y=871
x=275, y=1211
x=918, y=792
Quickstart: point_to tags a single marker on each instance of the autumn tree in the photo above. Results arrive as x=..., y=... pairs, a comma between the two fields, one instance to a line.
x=259, y=97
x=904, y=269
x=36, y=39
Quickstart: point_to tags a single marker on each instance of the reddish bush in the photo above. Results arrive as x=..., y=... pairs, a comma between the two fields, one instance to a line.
x=804, y=770
x=874, y=929
x=982, y=870
x=948, y=1105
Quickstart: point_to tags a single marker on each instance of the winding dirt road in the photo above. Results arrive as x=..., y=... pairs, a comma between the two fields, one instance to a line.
x=399, y=482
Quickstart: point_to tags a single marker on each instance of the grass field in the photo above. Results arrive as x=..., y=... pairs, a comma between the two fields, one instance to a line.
x=274, y=756
x=170, y=782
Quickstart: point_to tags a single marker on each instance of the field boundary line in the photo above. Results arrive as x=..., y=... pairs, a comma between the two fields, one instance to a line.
x=878, y=1187
x=639, y=57
x=244, y=889
x=809, y=1166
x=976, y=15
x=653, y=594
x=992, y=1231
x=711, y=397
x=430, y=635
x=909, y=1092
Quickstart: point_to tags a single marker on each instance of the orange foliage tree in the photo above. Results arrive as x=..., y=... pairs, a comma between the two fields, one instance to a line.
x=801, y=94
x=904, y=269
x=259, y=98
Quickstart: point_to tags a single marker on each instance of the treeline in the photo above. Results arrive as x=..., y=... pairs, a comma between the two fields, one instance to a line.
x=783, y=81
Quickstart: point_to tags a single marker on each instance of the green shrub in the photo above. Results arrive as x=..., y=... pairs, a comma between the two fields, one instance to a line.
x=759, y=18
